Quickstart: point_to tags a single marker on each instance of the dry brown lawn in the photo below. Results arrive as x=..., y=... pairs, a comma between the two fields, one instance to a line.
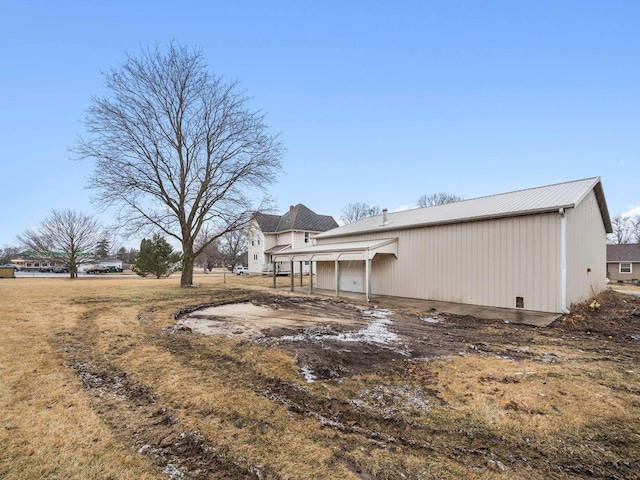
x=97, y=383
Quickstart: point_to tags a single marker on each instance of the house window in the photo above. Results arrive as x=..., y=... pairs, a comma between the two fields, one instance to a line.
x=253, y=243
x=625, y=268
x=255, y=256
x=306, y=237
x=306, y=262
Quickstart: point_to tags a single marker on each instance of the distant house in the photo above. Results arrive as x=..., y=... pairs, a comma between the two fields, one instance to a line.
x=623, y=262
x=270, y=234
x=538, y=249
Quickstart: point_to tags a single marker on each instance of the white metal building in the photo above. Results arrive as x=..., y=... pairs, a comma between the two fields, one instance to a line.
x=538, y=249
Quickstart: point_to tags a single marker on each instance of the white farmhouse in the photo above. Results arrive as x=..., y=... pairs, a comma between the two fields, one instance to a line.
x=538, y=249
x=270, y=234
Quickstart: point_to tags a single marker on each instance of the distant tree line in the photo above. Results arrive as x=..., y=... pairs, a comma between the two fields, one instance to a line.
x=352, y=212
x=439, y=198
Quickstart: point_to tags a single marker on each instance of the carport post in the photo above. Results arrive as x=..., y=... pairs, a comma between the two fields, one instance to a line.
x=300, y=272
x=337, y=278
x=310, y=276
x=368, y=278
x=292, y=275
x=274, y=274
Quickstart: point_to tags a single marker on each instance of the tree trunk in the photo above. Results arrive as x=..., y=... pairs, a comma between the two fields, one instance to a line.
x=186, y=280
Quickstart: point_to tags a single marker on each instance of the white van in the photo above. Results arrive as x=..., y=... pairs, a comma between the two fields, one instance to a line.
x=240, y=270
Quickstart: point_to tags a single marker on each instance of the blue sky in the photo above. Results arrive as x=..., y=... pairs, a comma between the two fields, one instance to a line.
x=375, y=101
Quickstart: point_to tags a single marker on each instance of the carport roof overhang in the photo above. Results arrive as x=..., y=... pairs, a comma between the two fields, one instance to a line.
x=361, y=250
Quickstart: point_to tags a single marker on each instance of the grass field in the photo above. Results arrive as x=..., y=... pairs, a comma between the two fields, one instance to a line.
x=96, y=384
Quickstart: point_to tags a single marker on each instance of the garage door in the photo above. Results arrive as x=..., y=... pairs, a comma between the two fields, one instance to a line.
x=352, y=276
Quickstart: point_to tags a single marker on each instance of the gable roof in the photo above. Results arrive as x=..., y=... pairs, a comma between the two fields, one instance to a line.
x=522, y=202
x=298, y=217
x=627, y=252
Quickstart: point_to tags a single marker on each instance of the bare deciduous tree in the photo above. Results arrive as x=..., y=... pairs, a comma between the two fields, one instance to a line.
x=233, y=245
x=635, y=229
x=439, y=198
x=626, y=229
x=210, y=254
x=353, y=212
x=64, y=236
x=177, y=149
x=8, y=253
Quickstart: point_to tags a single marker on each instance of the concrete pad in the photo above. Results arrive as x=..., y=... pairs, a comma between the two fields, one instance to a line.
x=508, y=315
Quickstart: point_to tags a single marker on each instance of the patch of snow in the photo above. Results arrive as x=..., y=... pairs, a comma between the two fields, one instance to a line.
x=308, y=374
x=377, y=332
x=317, y=332
x=172, y=472
x=144, y=448
x=432, y=320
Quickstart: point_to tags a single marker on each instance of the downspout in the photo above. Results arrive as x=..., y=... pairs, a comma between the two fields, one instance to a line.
x=563, y=261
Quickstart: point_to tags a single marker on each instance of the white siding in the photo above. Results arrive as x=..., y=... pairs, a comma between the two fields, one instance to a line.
x=586, y=250
x=326, y=276
x=487, y=262
x=257, y=244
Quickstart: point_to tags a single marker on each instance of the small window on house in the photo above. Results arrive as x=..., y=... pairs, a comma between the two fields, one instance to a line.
x=625, y=268
x=306, y=262
x=306, y=237
x=258, y=241
x=255, y=256
x=253, y=243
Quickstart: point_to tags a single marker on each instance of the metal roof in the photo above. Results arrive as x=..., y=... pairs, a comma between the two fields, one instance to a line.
x=277, y=248
x=360, y=250
x=522, y=202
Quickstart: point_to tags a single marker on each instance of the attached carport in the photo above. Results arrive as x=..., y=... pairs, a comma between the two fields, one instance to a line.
x=351, y=275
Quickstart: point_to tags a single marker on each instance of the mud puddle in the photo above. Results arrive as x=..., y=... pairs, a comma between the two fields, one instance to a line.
x=250, y=321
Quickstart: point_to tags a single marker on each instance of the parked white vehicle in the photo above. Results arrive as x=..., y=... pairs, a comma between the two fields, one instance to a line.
x=240, y=270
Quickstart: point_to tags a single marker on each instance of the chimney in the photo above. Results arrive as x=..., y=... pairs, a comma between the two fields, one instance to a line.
x=290, y=207
x=385, y=217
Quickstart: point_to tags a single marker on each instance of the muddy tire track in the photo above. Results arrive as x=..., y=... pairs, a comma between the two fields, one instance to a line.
x=131, y=410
